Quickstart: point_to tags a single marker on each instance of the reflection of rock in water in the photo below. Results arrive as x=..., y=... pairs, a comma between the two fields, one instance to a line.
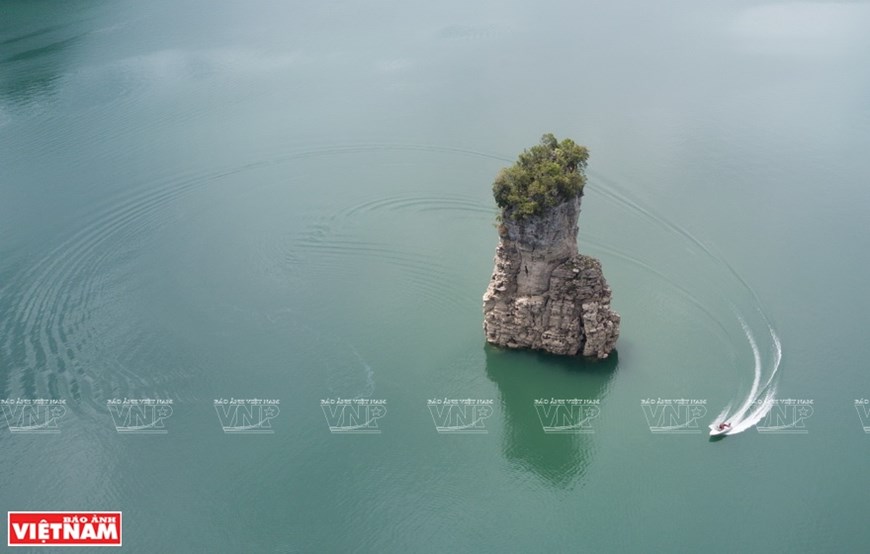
x=560, y=459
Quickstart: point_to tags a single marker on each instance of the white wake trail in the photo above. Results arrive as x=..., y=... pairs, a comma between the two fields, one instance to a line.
x=761, y=396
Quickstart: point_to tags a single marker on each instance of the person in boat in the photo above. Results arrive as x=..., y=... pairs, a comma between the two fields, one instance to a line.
x=723, y=426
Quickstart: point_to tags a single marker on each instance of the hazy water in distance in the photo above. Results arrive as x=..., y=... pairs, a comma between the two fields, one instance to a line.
x=214, y=200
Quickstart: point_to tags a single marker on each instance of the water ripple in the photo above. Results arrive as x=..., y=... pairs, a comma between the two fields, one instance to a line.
x=49, y=322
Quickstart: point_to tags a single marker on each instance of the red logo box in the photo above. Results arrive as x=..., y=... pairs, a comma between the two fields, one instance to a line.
x=63, y=528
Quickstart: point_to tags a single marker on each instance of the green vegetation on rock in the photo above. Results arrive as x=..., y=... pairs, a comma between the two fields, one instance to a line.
x=543, y=176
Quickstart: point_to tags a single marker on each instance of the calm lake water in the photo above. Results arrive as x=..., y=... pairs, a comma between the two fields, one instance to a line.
x=209, y=201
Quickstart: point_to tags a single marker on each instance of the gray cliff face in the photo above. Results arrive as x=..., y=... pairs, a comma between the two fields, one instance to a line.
x=543, y=294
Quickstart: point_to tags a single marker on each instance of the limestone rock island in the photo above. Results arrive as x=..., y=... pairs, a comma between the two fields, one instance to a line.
x=543, y=294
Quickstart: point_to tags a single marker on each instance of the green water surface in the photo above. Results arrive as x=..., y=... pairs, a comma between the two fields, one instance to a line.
x=291, y=201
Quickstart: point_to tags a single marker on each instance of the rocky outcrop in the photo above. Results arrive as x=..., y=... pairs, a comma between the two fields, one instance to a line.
x=545, y=295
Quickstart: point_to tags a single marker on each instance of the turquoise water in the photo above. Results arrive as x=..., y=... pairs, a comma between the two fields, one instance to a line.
x=292, y=202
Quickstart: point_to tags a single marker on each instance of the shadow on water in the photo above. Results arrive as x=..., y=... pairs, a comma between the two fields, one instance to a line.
x=560, y=459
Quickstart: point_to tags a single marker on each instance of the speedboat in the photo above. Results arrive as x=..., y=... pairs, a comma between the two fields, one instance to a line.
x=717, y=429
